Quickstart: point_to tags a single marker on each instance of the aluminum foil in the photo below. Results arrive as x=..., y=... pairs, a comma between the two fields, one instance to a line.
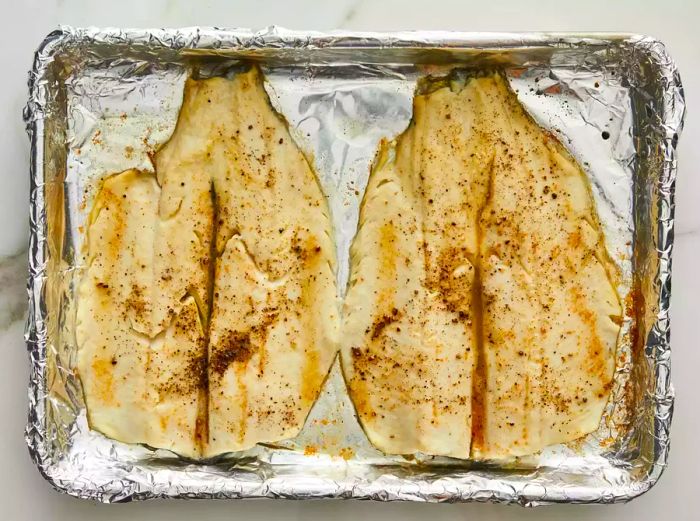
x=102, y=99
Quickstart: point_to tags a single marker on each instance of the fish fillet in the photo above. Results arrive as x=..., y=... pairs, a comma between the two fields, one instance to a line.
x=208, y=316
x=275, y=316
x=551, y=313
x=410, y=333
x=142, y=350
x=458, y=329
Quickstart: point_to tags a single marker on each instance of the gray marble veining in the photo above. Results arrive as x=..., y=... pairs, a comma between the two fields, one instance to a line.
x=13, y=289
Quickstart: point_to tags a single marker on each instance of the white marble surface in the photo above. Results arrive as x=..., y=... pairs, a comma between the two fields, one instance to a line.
x=24, y=494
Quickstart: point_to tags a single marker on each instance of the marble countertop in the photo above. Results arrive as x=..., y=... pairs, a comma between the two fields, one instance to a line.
x=25, y=495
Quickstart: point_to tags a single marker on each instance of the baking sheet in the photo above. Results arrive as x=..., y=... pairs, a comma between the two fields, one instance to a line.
x=100, y=100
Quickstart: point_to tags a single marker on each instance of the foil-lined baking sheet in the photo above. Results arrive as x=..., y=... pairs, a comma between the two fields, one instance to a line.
x=102, y=99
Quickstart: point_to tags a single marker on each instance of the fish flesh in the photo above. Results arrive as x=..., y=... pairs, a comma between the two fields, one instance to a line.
x=481, y=317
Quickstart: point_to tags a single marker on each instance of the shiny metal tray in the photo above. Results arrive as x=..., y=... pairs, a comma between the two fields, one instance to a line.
x=101, y=99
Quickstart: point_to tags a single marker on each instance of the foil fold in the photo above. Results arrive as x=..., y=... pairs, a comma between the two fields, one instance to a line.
x=96, y=93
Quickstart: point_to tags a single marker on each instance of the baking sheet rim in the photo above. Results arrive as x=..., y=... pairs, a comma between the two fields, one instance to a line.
x=36, y=336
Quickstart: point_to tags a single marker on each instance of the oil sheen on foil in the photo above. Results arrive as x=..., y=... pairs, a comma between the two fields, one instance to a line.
x=102, y=100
